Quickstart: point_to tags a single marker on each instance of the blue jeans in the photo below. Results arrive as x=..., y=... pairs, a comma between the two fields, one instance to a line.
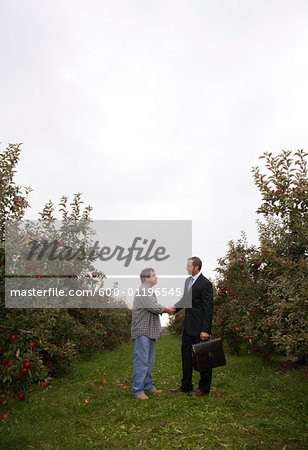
x=144, y=358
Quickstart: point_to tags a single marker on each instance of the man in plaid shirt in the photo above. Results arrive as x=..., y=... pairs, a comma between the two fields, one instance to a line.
x=145, y=330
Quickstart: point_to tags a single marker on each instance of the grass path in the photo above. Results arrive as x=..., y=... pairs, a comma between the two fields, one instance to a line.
x=262, y=406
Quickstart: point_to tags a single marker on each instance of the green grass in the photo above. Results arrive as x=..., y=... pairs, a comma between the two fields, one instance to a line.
x=259, y=407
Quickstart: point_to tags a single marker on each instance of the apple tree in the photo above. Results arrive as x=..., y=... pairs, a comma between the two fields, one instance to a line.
x=37, y=344
x=262, y=292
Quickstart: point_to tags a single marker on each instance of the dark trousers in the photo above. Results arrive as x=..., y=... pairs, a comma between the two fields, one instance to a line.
x=187, y=366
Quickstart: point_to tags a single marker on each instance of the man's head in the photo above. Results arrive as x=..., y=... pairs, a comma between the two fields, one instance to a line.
x=194, y=265
x=148, y=276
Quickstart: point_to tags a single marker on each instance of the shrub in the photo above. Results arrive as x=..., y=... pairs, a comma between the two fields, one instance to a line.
x=176, y=322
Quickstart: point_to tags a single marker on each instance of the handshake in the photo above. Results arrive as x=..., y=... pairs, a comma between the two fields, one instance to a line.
x=171, y=310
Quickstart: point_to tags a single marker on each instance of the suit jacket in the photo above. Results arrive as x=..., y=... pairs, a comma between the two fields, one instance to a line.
x=199, y=317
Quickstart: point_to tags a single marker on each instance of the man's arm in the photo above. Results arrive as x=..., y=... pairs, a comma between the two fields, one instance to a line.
x=150, y=303
x=207, y=308
x=177, y=309
x=177, y=306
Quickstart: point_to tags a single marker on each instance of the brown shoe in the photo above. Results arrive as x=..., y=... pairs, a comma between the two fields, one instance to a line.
x=179, y=389
x=197, y=393
x=155, y=391
x=142, y=396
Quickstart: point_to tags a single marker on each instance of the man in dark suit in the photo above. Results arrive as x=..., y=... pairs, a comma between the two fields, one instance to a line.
x=196, y=326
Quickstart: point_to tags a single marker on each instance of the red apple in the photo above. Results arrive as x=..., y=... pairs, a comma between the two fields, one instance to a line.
x=27, y=364
x=13, y=337
x=45, y=384
x=21, y=396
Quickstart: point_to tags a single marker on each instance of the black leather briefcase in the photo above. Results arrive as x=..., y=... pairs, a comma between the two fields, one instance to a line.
x=208, y=354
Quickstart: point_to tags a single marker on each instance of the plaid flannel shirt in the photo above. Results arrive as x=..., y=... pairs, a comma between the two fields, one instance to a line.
x=145, y=314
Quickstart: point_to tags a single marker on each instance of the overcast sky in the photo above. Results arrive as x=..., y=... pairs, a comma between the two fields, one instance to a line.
x=154, y=109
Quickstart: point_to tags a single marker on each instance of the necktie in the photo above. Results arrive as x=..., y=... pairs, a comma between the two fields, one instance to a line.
x=190, y=284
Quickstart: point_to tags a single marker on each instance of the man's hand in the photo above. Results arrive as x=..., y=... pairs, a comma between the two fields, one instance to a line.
x=204, y=336
x=170, y=310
